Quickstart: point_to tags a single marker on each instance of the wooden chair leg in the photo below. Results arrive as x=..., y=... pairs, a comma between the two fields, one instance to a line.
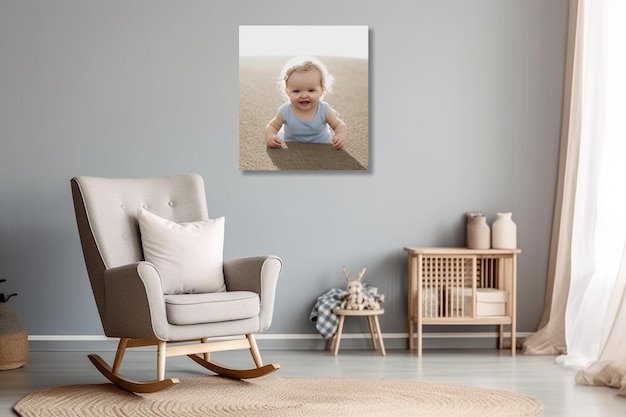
x=370, y=324
x=338, y=334
x=161, y=357
x=119, y=354
x=330, y=343
x=380, y=336
x=254, y=350
x=207, y=355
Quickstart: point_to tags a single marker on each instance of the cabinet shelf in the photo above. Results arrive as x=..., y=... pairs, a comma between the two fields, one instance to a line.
x=461, y=286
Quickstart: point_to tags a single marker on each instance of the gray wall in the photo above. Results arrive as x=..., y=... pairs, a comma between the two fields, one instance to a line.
x=465, y=115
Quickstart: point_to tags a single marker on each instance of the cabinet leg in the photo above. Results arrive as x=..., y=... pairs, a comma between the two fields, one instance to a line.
x=513, y=339
x=419, y=339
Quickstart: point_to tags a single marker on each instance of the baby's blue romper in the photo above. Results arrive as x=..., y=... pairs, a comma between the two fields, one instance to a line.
x=315, y=130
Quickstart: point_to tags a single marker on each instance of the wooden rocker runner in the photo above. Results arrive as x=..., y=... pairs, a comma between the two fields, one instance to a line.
x=112, y=374
x=154, y=260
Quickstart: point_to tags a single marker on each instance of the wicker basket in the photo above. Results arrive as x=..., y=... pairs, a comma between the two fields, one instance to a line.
x=14, y=349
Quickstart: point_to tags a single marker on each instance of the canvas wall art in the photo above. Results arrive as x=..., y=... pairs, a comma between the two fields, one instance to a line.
x=303, y=98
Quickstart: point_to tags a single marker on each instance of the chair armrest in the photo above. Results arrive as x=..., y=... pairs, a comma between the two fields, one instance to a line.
x=258, y=274
x=134, y=302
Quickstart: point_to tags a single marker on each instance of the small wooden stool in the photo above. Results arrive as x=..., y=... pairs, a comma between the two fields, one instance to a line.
x=372, y=321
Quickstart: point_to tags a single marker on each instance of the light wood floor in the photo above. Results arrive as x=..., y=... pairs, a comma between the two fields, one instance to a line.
x=537, y=376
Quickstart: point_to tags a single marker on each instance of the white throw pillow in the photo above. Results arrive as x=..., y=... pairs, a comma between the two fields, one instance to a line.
x=189, y=256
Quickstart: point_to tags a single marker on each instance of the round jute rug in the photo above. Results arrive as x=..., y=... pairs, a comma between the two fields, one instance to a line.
x=280, y=396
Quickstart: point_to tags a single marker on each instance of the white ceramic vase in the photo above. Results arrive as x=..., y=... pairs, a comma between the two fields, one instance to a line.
x=478, y=232
x=504, y=232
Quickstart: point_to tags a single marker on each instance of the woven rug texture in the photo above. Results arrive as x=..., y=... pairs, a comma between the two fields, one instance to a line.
x=280, y=396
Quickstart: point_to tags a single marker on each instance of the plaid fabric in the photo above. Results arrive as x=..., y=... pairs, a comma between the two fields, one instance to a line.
x=322, y=313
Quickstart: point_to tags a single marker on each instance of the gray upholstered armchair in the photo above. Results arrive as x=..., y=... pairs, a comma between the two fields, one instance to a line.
x=154, y=260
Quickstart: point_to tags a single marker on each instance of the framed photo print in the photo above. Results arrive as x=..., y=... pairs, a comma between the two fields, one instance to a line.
x=303, y=98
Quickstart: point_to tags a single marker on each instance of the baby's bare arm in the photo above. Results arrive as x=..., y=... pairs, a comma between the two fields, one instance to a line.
x=271, y=131
x=339, y=127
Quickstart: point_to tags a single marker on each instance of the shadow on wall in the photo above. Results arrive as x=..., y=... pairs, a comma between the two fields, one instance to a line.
x=312, y=156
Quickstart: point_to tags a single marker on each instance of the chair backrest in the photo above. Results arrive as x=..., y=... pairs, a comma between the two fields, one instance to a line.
x=106, y=216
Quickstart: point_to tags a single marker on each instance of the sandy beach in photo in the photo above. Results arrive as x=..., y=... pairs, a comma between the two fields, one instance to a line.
x=260, y=98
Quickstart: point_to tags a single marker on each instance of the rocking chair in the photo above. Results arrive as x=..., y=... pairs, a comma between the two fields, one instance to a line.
x=154, y=260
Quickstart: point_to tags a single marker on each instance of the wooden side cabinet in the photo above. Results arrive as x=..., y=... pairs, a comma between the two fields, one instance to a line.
x=460, y=286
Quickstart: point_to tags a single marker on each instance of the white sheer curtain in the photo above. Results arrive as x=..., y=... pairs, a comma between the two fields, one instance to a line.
x=585, y=312
x=599, y=227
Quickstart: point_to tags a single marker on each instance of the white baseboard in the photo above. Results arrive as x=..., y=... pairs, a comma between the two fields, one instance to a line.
x=282, y=341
